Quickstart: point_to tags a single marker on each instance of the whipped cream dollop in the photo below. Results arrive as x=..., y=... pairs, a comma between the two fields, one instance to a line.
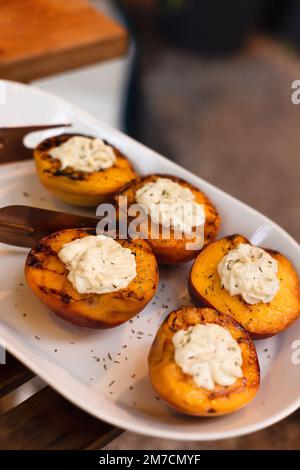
x=84, y=154
x=209, y=354
x=251, y=272
x=97, y=264
x=170, y=204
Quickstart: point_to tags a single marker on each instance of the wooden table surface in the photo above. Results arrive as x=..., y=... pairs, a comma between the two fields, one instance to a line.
x=42, y=37
x=46, y=420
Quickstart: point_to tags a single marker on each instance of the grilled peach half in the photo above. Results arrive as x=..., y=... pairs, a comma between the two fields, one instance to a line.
x=173, y=250
x=260, y=320
x=179, y=389
x=76, y=187
x=47, y=277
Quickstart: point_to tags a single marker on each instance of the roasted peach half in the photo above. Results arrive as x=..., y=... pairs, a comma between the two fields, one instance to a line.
x=77, y=187
x=179, y=389
x=174, y=250
x=261, y=320
x=46, y=275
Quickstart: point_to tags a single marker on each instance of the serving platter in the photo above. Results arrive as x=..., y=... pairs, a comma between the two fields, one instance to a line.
x=105, y=372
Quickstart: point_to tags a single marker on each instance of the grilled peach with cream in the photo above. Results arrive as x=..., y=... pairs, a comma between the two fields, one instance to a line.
x=92, y=280
x=203, y=363
x=258, y=287
x=174, y=210
x=81, y=170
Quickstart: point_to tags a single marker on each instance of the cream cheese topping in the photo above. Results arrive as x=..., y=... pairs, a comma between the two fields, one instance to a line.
x=84, y=154
x=209, y=354
x=251, y=272
x=171, y=205
x=97, y=264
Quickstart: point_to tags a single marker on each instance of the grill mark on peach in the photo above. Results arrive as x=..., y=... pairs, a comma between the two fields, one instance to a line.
x=66, y=298
x=34, y=262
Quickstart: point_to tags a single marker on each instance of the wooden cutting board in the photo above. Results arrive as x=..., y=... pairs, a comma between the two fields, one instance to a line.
x=42, y=37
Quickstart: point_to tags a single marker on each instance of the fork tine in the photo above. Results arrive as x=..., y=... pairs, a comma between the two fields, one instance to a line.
x=25, y=225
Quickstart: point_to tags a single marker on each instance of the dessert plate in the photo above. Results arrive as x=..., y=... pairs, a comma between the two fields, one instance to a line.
x=105, y=372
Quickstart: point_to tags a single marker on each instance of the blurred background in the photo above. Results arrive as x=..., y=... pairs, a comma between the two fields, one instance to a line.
x=207, y=83
x=213, y=92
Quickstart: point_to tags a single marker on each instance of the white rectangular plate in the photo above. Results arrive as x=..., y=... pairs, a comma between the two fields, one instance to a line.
x=71, y=359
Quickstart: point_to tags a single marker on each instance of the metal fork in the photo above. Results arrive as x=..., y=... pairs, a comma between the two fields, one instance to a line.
x=25, y=225
x=12, y=146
